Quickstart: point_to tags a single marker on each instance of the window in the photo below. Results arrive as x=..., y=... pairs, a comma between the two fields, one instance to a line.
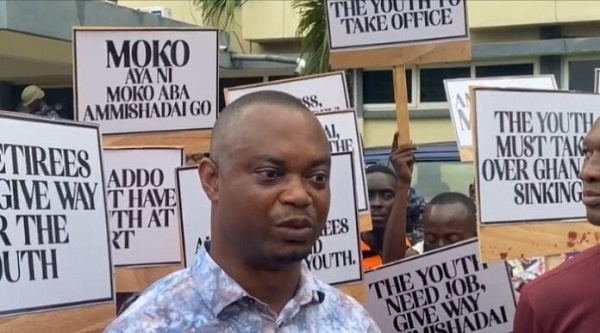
x=234, y=82
x=378, y=87
x=504, y=70
x=581, y=74
x=431, y=82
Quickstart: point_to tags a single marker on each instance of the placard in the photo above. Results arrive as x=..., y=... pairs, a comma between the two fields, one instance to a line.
x=132, y=80
x=457, y=93
x=54, y=238
x=320, y=93
x=194, y=209
x=397, y=33
x=529, y=154
x=359, y=24
x=142, y=202
x=336, y=258
x=343, y=134
x=447, y=290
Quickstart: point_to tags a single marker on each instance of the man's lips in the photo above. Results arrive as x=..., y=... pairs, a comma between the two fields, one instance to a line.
x=298, y=229
x=591, y=198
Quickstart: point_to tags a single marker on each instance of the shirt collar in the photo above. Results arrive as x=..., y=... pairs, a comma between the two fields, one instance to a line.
x=218, y=290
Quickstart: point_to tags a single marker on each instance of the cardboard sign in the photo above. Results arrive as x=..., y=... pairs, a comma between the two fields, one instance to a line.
x=141, y=204
x=336, y=258
x=529, y=154
x=343, y=134
x=194, y=212
x=133, y=80
x=320, y=93
x=457, y=93
x=54, y=238
x=448, y=290
x=362, y=25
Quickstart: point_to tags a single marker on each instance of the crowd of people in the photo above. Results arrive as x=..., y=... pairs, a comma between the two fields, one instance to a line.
x=270, y=199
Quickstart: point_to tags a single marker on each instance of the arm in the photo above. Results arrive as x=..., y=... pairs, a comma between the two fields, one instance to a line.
x=394, y=239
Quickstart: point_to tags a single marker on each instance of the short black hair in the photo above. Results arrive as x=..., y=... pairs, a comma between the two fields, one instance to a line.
x=379, y=168
x=223, y=129
x=449, y=198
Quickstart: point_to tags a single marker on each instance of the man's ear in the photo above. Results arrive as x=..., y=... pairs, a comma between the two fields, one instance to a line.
x=209, y=177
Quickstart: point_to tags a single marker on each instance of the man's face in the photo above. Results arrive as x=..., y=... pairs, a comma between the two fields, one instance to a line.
x=381, y=197
x=590, y=175
x=447, y=224
x=273, y=196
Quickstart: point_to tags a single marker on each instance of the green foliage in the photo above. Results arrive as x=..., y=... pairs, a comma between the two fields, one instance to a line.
x=218, y=13
x=313, y=31
x=312, y=28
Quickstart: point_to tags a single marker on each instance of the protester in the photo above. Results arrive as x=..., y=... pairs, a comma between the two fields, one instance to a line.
x=32, y=98
x=565, y=299
x=385, y=188
x=268, y=180
x=449, y=218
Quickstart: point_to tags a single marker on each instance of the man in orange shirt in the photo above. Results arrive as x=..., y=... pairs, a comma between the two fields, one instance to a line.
x=389, y=191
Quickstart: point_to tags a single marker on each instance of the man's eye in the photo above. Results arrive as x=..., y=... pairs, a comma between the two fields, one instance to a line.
x=269, y=174
x=320, y=178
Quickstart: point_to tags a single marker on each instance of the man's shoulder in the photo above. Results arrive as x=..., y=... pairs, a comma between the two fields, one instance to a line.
x=175, y=293
x=576, y=273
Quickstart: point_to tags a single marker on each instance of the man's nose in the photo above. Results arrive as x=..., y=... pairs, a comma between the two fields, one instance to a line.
x=296, y=193
x=590, y=171
x=376, y=202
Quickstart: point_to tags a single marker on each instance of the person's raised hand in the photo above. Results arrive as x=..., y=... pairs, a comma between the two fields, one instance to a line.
x=402, y=158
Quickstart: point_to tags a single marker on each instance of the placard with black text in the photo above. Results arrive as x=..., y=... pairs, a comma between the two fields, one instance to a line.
x=320, y=93
x=447, y=290
x=54, y=237
x=142, y=205
x=457, y=93
x=134, y=80
x=529, y=153
x=343, y=134
x=381, y=23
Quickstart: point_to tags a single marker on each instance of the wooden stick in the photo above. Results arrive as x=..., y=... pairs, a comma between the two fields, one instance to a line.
x=402, y=116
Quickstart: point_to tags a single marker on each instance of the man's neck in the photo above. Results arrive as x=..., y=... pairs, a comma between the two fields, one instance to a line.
x=273, y=287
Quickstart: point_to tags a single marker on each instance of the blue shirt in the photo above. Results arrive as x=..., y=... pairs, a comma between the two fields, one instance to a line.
x=203, y=298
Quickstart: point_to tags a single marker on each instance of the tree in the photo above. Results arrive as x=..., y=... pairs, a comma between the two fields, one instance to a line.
x=312, y=28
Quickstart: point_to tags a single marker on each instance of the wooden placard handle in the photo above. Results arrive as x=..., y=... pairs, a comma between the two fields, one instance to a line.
x=400, y=96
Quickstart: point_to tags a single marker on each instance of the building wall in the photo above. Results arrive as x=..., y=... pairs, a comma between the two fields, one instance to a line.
x=183, y=11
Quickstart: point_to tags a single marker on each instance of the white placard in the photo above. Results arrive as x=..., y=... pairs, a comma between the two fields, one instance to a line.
x=448, y=290
x=529, y=153
x=597, y=80
x=336, y=257
x=54, y=238
x=457, y=93
x=194, y=212
x=343, y=135
x=135, y=80
x=140, y=189
x=320, y=93
x=383, y=23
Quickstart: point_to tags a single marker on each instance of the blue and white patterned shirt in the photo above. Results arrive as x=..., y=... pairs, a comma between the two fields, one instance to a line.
x=203, y=298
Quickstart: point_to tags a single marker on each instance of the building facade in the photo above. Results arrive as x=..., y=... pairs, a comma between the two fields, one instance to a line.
x=508, y=38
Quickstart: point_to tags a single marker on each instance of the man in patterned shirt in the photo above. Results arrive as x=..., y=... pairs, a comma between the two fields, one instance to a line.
x=268, y=180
